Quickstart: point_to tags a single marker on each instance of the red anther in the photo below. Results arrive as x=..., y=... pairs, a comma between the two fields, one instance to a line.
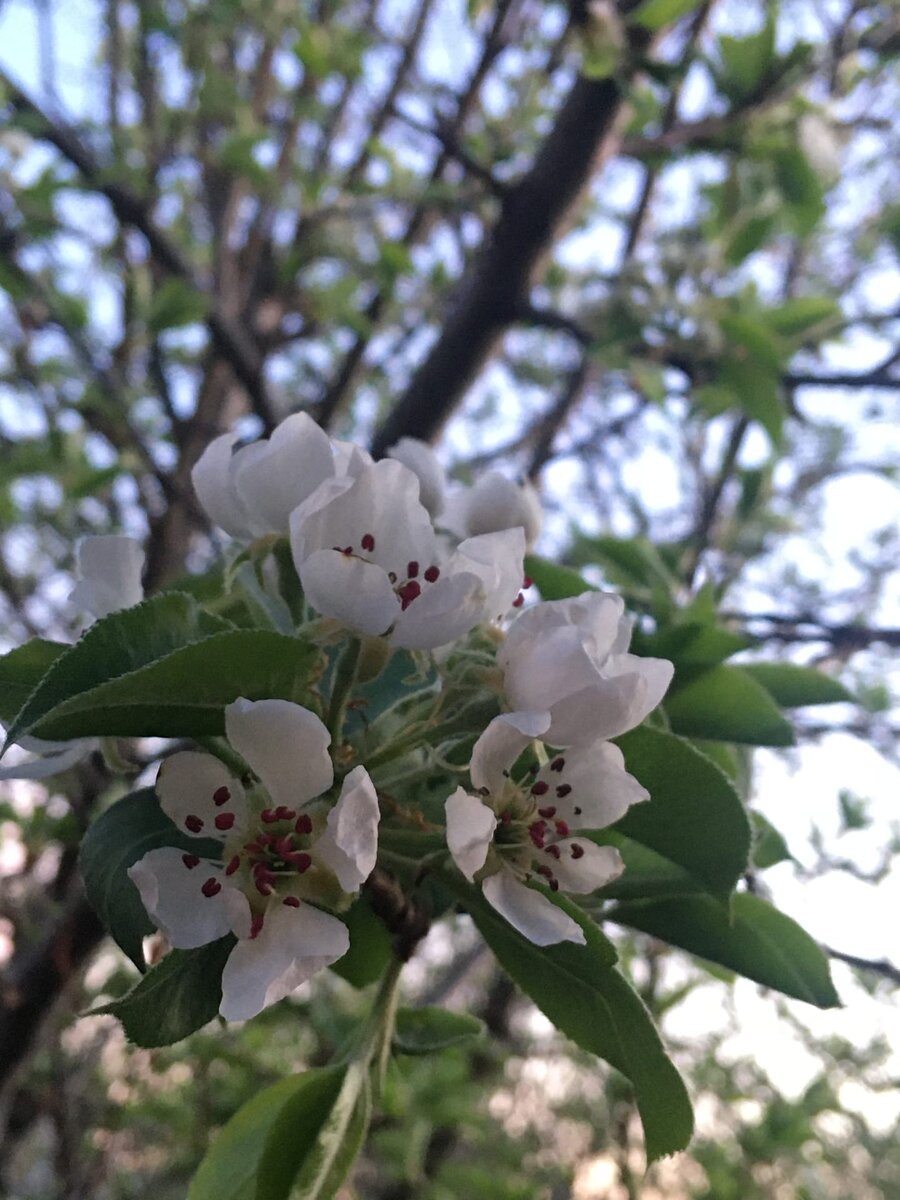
x=537, y=832
x=519, y=601
x=283, y=813
x=265, y=839
x=553, y=851
x=554, y=884
x=269, y=816
x=193, y=824
x=433, y=574
x=253, y=847
x=299, y=860
x=263, y=886
x=527, y=581
x=540, y=788
x=212, y=887
x=256, y=925
x=347, y=551
x=221, y=796
x=392, y=576
x=412, y=569
x=562, y=828
x=576, y=850
x=283, y=846
x=505, y=817
x=408, y=593
x=548, y=813
x=557, y=764
x=563, y=790
x=368, y=542
x=190, y=861
x=545, y=871
x=260, y=868
x=577, y=811
x=224, y=820
x=534, y=768
x=303, y=824
x=233, y=865
x=291, y=902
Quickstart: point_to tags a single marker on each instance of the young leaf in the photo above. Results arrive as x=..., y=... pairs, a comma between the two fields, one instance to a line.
x=321, y=1170
x=792, y=686
x=428, y=1030
x=727, y=704
x=22, y=670
x=757, y=941
x=578, y=989
x=178, y=996
x=121, y=835
x=654, y=14
x=694, y=816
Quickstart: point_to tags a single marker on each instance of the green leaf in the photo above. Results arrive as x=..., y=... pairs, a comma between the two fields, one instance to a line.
x=553, y=581
x=769, y=846
x=694, y=817
x=178, y=996
x=758, y=941
x=646, y=875
x=175, y=303
x=801, y=187
x=22, y=670
x=114, y=646
x=578, y=989
x=802, y=314
x=654, y=14
x=370, y=946
x=793, y=686
x=746, y=61
x=324, y=1168
x=725, y=703
x=184, y=694
x=429, y=1030
x=755, y=338
x=118, y=838
x=693, y=644
x=300, y=1103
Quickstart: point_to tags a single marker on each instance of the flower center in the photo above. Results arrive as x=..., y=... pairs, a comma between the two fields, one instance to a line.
x=406, y=587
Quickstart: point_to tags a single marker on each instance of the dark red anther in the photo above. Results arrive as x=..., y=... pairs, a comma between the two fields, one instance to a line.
x=576, y=850
x=291, y=902
x=193, y=824
x=562, y=828
x=548, y=813
x=433, y=574
x=233, y=865
x=347, y=551
x=540, y=788
x=563, y=790
x=190, y=861
x=519, y=601
x=368, y=542
x=408, y=593
x=577, y=811
x=256, y=925
x=392, y=576
x=303, y=824
x=263, y=886
x=557, y=764
x=553, y=851
x=505, y=817
x=554, y=884
x=299, y=860
x=212, y=887
x=221, y=796
x=283, y=846
x=265, y=839
x=283, y=813
x=537, y=832
x=224, y=821
x=544, y=870
x=253, y=847
x=527, y=581
x=412, y=569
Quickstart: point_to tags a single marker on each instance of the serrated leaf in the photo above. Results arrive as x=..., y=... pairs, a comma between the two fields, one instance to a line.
x=177, y=997
x=794, y=686
x=118, y=838
x=302, y=1102
x=429, y=1030
x=757, y=941
x=725, y=703
x=579, y=990
x=694, y=817
x=22, y=670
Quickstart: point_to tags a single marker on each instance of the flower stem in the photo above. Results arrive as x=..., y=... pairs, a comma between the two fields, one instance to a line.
x=344, y=678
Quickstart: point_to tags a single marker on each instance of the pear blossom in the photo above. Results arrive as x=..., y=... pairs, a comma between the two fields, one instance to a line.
x=569, y=658
x=495, y=502
x=425, y=465
x=519, y=829
x=367, y=555
x=285, y=851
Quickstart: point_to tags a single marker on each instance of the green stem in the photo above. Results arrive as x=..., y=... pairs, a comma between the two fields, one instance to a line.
x=224, y=753
x=384, y=1012
x=344, y=678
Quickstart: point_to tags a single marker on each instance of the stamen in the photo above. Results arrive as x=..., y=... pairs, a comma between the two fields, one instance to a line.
x=190, y=861
x=563, y=790
x=256, y=925
x=576, y=850
x=540, y=788
x=268, y=816
x=291, y=902
x=577, y=811
x=303, y=824
x=283, y=846
x=193, y=824
x=283, y=813
x=221, y=796
x=562, y=828
x=347, y=551
x=224, y=820
x=432, y=574
x=408, y=593
x=537, y=831
x=505, y=817
x=211, y=888
x=368, y=542
x=548, y=812
x=544, y=870
x=412, y=569
x=527, y=581
x=519, y=601
x=552, y=850
x=557, y=764
x=263, y=886
x=299, y=860
x=233, y=865
x=392, y=576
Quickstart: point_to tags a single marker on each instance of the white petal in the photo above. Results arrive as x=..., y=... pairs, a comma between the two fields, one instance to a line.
x=425, y=465
x=356, y=593
x=501, y=744
x=110, y=568
x=285, y=744
x=613, y=704
x=349, y=845
x=293, y=944
x=192, y=793
x=595, y=866
x=349, y=459
x=654, y=676
x=443, y=612
x=597, y=615
x=535, y=917
x=496, y=503
x=547, y=667
x=56, y=758
x=213, y=479
x=596, y=789
x=171, y=887
x=470, y=830
x=498, y=560
x=290, y=466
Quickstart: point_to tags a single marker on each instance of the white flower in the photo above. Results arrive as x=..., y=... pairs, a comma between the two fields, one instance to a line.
x=367, y=555
x=283, y=852
x=424, y=463
x=252, y=490
x=495, y=502
x=569, y=658
x=519, y=829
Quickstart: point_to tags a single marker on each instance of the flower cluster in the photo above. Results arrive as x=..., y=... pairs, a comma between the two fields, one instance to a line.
x=384, y=550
